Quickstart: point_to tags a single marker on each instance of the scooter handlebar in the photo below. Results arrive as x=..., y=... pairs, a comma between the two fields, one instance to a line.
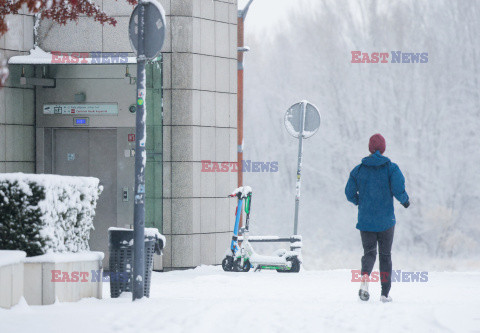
x=242, y=192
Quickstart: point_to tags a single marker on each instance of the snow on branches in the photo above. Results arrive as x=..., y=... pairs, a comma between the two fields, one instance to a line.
x=60, y=11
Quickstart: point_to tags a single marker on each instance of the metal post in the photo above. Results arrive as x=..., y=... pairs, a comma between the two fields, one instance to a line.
x=140, y=161
x=241, y=15
x=240, y=40
x=299, y=168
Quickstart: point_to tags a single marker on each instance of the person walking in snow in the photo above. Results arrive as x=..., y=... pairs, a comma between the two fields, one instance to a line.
x=372, y=186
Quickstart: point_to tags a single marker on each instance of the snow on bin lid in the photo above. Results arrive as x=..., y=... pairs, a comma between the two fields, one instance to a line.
x=38, y=56
x=153, y=232
x=10, y=257
x=149, y=232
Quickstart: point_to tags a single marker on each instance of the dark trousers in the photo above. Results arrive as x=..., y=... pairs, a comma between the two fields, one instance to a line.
x=369, y=242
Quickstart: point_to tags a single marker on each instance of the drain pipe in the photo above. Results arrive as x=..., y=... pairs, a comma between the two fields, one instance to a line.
x=241, y=49
x=242, y=14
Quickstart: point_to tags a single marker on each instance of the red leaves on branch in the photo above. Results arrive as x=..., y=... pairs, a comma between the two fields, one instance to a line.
x=65, y=11
x=7, y=7
x=60, y=11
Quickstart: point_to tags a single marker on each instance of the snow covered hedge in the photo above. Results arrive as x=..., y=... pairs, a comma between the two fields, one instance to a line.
x=46, y=213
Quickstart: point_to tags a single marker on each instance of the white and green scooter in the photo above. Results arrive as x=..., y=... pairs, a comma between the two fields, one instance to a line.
x=240, y=258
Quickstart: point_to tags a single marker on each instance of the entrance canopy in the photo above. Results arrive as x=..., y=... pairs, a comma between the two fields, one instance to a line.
x=38, y=56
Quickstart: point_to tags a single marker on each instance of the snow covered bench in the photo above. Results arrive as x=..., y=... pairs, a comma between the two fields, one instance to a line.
x=66, y=277
x=11, y=277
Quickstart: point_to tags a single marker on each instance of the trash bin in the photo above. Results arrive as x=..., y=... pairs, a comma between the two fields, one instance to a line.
x=120, y=245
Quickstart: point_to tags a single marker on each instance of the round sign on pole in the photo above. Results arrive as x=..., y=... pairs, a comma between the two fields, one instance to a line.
x=154, y=28
x=295, y=115
x=302, y=121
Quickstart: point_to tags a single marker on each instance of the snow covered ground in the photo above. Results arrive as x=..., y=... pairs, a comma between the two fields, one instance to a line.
x=207, y=299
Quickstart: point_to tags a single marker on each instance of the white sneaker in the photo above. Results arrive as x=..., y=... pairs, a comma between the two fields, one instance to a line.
x=363, y=292
x=384, y=299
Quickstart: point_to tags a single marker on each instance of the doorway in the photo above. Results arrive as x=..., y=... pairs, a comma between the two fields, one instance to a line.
x=91, y=153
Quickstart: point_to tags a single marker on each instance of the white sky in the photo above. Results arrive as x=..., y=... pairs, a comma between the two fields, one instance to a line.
x=266, y=14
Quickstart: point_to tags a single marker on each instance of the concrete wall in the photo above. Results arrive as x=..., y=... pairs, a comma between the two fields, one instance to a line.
x=199, y=108
x=40, y=289
x=199, y=124
x=11, y=285
x=17, y=130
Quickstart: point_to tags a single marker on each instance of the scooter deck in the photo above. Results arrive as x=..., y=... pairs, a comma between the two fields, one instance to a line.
x=258, y=259
x=272, y=239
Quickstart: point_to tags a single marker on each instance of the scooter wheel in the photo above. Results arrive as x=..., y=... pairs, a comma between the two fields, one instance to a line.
x=227, y=264
x=246, y=266
x=295, y=266
x=238, y=268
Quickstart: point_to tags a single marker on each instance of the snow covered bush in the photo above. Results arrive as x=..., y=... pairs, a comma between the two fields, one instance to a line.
x=20, y=217
x=46, y=213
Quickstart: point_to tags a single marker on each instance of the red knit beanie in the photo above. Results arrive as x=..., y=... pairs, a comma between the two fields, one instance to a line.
x=377, y=142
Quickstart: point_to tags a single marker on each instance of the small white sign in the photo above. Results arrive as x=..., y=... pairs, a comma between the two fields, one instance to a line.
x=100, y=109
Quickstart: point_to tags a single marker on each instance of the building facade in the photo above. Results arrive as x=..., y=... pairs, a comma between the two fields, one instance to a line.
x=192, y=116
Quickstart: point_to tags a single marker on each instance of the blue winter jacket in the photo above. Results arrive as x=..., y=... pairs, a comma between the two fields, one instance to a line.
x=372, y=186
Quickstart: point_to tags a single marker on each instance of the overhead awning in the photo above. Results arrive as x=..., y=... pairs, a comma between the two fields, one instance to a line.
x=38, y=56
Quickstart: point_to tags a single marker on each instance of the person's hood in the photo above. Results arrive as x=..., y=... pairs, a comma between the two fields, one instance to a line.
x=376, y=159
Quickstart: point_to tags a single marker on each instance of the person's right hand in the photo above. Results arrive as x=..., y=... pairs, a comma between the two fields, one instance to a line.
x=406, y=204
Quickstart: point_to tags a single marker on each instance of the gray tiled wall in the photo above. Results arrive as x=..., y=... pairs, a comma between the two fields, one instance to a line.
x=17, y=131
x=202, y=123
x=200, y=114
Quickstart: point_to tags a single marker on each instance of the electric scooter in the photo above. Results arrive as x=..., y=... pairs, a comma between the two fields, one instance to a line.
x=241, y=257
